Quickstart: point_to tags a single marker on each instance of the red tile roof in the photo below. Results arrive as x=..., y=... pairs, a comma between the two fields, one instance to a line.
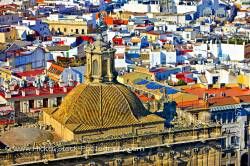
x=144, y=98
x=192, y=104
x=233, y=91
x=31, y=73
x=30, y=92
x=245, y=99
x=158, y=33
x=223, y=101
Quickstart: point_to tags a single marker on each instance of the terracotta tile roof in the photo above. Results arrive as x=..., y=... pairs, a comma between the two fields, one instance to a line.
x=31, y=73
x=55, y=69
x=54, y=72
x=232, y=91
x=192, y=104
x=144, y=98
x=158, y=33
x=223, y=101
x=245, y=99
x=30, y=92
x=58, y=48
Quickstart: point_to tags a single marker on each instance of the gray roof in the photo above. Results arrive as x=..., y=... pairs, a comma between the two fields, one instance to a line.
x=225, y=107
x=24, y=136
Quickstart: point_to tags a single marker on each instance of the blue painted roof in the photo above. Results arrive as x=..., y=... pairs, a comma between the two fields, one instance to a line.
x=154, y=85
x=141, y=82
x=170, y=90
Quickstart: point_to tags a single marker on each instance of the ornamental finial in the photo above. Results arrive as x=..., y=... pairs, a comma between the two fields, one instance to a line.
x=101, y=26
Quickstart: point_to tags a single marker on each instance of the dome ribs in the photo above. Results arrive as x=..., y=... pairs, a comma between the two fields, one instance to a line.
x=92, y=107
x=100, y=105
x=128, y=102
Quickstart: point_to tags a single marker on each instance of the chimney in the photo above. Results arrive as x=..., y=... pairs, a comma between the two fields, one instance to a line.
x=71, y=83
x=23, y=92
x=65, y=89
x=61, y=83
x=78, y=80
x=223, y=94
x=205, y=96
x=7, y=95
x=51, y=90
x=37, y=91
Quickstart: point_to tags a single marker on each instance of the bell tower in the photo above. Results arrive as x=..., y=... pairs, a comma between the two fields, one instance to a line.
x=100, y=62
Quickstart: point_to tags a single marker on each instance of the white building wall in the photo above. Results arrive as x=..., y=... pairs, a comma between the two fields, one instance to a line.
x=120, y=63
x=155, y=58
x=209, y=77
x=202, y=68
x=170, y=57
x=235, y=52
x=23, y=31
x=205, y=28
x=185, y=9
x=155, y=8
x=171, y=28
x=17, y=2
x=134, y=6
x=200, y=50
x=67, y=40
x=214, y=49
x=224, y=76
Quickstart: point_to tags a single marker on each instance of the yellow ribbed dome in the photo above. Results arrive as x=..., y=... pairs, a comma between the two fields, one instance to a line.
x=100, y=105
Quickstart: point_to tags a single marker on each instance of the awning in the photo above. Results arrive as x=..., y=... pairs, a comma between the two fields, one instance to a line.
x=5, y=110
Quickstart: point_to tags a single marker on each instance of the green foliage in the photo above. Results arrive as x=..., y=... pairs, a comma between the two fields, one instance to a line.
x=181, y=82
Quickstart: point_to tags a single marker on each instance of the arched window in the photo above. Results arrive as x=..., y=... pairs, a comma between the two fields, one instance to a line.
x=104, y=67
x=95, y=67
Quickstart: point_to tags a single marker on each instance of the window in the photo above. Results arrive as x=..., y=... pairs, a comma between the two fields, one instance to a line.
x=31, y=103
x=82, y=31
x=95, y=67
x=234, y=140
x=233, y=154
x=65, y=30
x=45, y=102
x=224, y=155
x=59, y=100
x=105, y=67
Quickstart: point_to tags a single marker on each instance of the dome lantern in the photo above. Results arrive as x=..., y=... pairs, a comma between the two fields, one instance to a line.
x=100, y=62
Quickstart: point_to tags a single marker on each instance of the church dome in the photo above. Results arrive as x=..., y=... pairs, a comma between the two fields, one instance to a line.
x=101, y=105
